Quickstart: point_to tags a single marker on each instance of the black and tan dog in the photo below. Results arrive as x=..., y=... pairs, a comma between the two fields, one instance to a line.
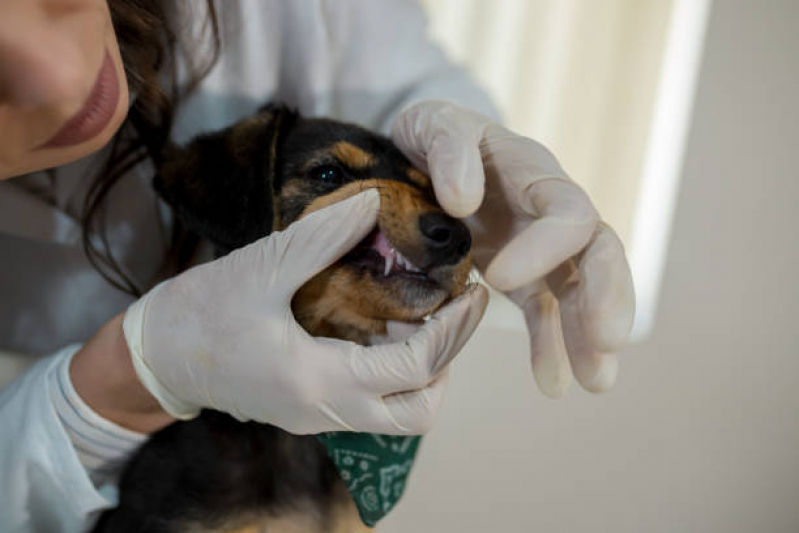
x=232, y=187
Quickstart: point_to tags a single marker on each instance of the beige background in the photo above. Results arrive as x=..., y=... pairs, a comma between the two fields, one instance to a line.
x=701, y=433
x=608, y=86
x=580, y=76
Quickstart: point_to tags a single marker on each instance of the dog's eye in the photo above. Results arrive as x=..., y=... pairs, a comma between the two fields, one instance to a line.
x=328, y=174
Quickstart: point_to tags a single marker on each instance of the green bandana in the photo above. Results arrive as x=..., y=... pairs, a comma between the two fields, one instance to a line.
x=374, y=468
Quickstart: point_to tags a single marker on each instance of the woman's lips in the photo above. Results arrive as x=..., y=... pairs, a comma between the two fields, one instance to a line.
x=96, y=112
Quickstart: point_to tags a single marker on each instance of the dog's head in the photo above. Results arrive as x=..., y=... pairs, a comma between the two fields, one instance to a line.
x=265, y=172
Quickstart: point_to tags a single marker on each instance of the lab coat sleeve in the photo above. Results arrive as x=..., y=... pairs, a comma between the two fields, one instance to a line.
x=378, y=59
x=43, y=484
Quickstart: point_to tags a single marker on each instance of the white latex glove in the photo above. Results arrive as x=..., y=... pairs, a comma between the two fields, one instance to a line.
x=222, y=336
x=537, y=238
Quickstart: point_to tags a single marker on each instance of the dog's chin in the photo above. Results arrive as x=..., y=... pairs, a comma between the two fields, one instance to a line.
x=398, y=295
x=412, y=299
x=405, y=291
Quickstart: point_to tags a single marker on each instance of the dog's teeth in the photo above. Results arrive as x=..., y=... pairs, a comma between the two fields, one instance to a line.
x=389, y=264
x=405, y=263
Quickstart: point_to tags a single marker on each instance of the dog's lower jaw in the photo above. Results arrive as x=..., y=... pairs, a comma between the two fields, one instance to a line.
x=362, y=334
x=335, y=303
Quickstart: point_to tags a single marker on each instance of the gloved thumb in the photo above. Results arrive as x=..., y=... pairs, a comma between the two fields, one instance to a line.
x=444, y=140
x=413, y=364
x=319, y=239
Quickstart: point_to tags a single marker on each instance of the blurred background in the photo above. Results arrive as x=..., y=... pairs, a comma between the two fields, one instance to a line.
x=681, y=118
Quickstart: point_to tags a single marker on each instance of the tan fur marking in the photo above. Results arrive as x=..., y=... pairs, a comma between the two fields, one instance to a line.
x=289, y=523
x=400, y=207
x=351, y=155
x=419, y=178
x=335, y=304
x=339, y=302
x=340, y=194
x=292, y=189
x=344, y=518
x=254, y=528
x=460, y=277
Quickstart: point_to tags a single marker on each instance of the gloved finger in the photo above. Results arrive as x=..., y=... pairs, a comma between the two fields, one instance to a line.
x=548, y=357
x=414, y=412
x=396, y=331
x=316, y=241
x=444, y=140
x=595, y=370
x=606, y=297
x=456, y=171
x=405, y=413
x=412, y=364
x=567, y=221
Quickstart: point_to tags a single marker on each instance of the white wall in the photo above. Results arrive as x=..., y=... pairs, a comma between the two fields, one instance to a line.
x=701, y=433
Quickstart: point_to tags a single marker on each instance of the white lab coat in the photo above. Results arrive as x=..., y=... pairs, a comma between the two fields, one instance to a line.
x=355, y=60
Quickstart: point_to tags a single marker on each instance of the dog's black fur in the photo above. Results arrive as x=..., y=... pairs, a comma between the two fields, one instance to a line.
x=214, y=470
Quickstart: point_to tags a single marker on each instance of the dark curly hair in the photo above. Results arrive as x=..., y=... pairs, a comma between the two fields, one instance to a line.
x=150, y=44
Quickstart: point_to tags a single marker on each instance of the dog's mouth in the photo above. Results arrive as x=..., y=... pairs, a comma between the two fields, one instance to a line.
x=377, y=254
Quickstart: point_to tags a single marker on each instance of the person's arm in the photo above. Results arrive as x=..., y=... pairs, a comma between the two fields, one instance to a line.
x=68, y=425
x=104, y=377
x=44, y=484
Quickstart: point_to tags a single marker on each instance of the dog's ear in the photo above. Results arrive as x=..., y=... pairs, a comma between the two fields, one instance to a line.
x=222, y=185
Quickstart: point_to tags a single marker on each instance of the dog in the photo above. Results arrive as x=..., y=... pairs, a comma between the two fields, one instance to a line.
x=232, y=187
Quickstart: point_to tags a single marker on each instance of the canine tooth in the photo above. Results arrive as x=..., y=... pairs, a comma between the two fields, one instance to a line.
x=406, y=263
x=389, y=264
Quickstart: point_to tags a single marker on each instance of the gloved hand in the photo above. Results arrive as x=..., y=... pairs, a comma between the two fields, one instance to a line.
x=222, y=335
x=537, y=238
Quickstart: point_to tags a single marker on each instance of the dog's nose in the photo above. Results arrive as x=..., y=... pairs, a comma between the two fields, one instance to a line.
x=447, y=239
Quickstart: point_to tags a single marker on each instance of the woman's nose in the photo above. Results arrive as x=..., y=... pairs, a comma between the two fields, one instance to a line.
x=447, y=239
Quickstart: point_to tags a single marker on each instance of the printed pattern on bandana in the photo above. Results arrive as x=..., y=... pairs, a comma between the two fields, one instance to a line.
x=374, y=467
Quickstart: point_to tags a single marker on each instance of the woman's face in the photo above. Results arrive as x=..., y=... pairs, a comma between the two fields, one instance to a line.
x=63, y=92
